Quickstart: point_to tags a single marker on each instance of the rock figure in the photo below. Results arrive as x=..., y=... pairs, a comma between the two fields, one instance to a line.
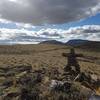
x=72, y=61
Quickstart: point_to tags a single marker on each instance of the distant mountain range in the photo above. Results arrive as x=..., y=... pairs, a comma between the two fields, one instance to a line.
x=78, y=43
x=74, y=42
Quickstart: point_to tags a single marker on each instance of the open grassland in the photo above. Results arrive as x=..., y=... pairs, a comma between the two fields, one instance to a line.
x=48, y=56
x=32, y=69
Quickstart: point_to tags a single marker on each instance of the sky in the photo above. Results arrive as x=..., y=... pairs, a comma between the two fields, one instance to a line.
x=34, y=21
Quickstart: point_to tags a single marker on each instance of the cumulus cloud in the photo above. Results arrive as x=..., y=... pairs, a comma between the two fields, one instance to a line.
x=39, y=12
x=87, y=32
x=23, y=36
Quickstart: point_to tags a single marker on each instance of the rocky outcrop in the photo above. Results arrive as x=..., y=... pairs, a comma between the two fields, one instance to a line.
x=22, y=83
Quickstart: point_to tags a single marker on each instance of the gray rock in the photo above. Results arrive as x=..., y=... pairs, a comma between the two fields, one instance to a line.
x=94, y=97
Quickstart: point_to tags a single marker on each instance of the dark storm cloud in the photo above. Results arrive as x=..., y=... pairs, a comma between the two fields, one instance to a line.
x=47, y=11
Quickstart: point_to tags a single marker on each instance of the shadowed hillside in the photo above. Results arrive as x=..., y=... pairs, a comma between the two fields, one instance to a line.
x=76, y=42
x=84, y=44
x=91, y=45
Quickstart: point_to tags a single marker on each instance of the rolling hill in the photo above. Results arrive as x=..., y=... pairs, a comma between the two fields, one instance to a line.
x=52, y=42
x=76, y=42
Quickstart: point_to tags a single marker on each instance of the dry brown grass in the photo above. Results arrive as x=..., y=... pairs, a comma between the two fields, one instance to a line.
x=44, y=55
x=49, y=57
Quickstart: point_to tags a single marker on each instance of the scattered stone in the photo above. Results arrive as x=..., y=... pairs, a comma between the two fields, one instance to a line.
x=7, y=83
x=42, y=71
x=84, y=77
x=60, y=86
x=51, y=80
x=19, y=75
x=10, y=96
x=10, y=74
x=5, y=68
x=25, y=80
x=38, y=78
x=23, y=68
